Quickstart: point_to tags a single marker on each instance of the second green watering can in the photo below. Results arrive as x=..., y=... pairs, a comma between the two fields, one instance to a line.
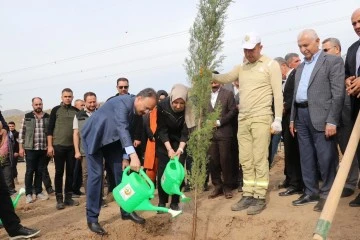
x=135, y=191
x=173, y=177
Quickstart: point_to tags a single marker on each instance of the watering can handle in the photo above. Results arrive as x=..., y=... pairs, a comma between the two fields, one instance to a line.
x=148, y=180
x=126, y=171
x=175, y=158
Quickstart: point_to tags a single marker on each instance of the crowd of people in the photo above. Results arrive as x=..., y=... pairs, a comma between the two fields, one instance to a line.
x=310, y=104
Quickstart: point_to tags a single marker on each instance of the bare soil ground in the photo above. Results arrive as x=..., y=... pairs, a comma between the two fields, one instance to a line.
x=280, y=220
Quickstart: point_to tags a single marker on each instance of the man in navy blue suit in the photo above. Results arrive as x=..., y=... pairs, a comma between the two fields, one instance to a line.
x=106, y=136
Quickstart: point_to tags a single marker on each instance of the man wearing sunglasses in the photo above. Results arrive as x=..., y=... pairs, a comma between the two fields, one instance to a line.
x=122, y=85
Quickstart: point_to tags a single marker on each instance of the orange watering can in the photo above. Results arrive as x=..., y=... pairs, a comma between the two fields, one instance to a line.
x=173, y=177
x=135, y=191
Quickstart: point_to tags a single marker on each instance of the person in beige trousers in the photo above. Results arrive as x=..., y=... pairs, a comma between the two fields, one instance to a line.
x=259, y=86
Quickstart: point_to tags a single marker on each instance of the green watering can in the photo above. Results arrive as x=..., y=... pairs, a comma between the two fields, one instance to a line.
x=135, y=191
x=16, y=200
x=173, y=177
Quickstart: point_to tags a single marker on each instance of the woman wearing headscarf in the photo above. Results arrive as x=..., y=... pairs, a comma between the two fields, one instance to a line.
x=171, y=136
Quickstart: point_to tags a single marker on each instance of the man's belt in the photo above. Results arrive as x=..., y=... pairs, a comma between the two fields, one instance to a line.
x=301, y=105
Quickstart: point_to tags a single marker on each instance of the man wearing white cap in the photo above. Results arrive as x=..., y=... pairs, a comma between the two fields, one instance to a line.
x=259, y=85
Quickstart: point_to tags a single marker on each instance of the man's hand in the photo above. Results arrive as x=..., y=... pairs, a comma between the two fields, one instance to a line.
x=354, y=88
x=348, y=81
x=77, y=155
x=292, y=129
x=16, y=154
x=50, y=151
x=125, y=163
x=21, y=152
x=276, y=127
x=330, y=130
x=134, y=162
x=179, y=152
x=137, y=143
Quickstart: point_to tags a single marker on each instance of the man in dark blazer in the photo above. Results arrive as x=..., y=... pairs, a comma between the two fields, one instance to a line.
x=236, y=167
x=292, y=169
x=106, y=135
x=318, y=100
x=220, y=147
x=352, y=80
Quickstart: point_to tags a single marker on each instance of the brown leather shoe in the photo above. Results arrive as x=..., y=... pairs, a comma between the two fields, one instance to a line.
x=217, y=192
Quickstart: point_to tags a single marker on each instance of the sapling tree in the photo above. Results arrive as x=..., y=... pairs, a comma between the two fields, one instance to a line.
x=204, y=57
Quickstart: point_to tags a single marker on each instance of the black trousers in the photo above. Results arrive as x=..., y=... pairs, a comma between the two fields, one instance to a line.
x=9, y=180
x=77, y=179
x=163, y=160
x=45, y=174
x=8, y=216
x=64, y=157
x=221, y=164
x=14, y=167
x=35, y=162
x=292, y=168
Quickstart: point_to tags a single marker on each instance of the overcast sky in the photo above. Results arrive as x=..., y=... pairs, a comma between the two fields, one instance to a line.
x=86, y=45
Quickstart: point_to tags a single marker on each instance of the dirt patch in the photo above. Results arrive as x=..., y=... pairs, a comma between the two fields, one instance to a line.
x=280, y=220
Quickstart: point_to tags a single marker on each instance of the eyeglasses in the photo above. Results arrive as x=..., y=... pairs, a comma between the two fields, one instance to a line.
x=327, y=49
x=123, y=87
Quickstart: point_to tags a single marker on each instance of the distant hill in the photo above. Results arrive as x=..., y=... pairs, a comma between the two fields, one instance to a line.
x=12, y=112
x=16, y=116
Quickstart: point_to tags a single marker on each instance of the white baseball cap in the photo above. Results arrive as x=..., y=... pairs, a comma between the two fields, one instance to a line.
x=250, y=40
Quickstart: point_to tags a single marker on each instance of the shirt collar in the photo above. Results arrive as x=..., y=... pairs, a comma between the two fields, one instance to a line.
x=314, y=57
x=261, y=59
x=217, y=91
x=87, y=110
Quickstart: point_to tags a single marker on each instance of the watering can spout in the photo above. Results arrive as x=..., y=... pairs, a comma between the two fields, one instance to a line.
x=16, y=201
x=147, y=206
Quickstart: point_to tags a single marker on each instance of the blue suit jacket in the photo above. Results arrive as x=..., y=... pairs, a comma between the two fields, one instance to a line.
x=110, y=123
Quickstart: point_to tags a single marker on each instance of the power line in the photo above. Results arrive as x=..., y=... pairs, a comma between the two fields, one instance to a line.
x=314, y=24
x=145, y=41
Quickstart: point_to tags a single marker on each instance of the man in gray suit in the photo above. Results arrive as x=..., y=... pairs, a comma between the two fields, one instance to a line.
x=318, y=100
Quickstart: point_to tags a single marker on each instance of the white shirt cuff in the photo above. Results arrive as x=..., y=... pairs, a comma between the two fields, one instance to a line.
x=218, y=123
x=129, y=150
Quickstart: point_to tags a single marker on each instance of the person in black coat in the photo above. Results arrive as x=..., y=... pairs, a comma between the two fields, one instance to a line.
x=171, y=136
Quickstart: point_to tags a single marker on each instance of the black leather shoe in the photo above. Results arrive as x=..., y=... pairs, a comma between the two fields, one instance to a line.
x=96, y=228
x=355, y=202
x=305, y=199
x=217, y=192
x=133, y=217
x=290, y=191
x=24, y=233
x=175, y=206
x=320, y=205
x=347, y=192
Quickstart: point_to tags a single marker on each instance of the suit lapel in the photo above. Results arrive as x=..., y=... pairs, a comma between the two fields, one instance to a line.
x=317, y=66
x=298, y=73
